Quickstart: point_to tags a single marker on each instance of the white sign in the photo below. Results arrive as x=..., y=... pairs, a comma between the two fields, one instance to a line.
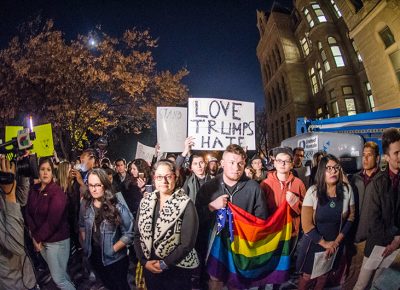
x=217, y=123
x=309, y=144
x=171, y=128
x=144, y=152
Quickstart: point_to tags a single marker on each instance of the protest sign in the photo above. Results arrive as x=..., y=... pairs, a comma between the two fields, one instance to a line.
x=217, y=123
x=171, y=128
x=43, y=145
x=144, y=152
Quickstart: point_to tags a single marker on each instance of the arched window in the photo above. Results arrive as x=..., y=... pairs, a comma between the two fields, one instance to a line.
x=335, y=49
x=313, y=78
x=308, y=17
x=325, y=61
x=318, y=11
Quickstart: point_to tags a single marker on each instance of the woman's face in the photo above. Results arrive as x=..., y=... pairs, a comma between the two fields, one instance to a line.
x=164, y=179
x=332, y=171
x=134, y=171
x=256, y=164
x=96, y=188
x=45, y=173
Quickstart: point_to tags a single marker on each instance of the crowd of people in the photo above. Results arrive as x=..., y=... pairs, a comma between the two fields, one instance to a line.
x=160, y=217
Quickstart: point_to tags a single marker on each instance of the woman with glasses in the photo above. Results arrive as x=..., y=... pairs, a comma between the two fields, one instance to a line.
x=165, y=233
x=326, y=216
x=46, y=218
x=106, y=229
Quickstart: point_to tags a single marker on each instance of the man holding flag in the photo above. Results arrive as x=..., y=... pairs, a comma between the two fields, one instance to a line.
x=245, y=195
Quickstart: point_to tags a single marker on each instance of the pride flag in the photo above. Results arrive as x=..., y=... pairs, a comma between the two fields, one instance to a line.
x=256, y=253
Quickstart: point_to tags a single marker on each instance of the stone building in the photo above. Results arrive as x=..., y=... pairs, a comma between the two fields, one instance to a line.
x=375, y=27
x=310, y=66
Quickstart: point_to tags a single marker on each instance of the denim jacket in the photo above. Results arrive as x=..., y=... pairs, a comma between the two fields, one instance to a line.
x=110, y=233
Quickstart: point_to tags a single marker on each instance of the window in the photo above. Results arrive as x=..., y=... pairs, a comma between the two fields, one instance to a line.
x=337, y=55
x=395, y=59
x=288, y=127
x=283, y=127
x=387, y=36
x=350, y=107
x=313, y=78
x=370, y=97
x=319, y=113
x=304, y=46
x=327, y=116
x=325, y=61
x=320, y=76
x=309, y=18
x=348, y=90
x=337, y=11
x=356, y=50
x=318, y=11
x=335, y=109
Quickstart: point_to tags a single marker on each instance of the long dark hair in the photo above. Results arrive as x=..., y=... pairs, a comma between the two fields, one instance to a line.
x=322, y=191
x=108, y=209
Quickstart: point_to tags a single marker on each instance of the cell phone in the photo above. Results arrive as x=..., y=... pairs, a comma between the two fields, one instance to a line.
x=141, y=175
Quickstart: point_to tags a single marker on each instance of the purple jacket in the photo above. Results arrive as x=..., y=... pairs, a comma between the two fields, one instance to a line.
x=46, y=213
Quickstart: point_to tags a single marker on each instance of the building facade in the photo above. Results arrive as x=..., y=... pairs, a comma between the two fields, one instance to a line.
x=375, y=27
x=310, y=66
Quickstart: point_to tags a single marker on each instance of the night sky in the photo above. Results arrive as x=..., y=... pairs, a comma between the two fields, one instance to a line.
x=216, y=40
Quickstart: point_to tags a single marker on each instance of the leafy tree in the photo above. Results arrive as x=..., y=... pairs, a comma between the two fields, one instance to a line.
x=85, y=90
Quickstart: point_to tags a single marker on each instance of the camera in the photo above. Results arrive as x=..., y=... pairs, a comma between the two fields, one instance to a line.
x=15, y=151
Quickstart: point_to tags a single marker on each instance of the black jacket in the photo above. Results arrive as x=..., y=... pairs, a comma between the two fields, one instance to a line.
x=247, y=195
x=383, y=214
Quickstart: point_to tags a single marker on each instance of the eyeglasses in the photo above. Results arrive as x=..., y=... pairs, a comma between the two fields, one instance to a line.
x=168, y=177
x=333, y=168
x=95, y=186
x=283, y=162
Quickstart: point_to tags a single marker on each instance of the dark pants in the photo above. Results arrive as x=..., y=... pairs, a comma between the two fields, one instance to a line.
x=173, y=278
x=114, y=276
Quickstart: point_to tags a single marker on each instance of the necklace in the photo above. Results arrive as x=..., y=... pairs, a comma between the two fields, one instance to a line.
x=332, y=203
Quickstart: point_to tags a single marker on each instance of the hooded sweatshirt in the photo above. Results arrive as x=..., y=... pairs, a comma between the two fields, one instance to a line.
x=275, y=193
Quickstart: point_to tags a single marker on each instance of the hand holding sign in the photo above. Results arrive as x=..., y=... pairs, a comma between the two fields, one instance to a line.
x=189, y=142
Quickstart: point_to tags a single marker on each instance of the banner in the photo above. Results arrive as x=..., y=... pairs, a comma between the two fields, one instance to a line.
x=217, y=123
x=171, y=128
x=43, y=145
x=144, y=152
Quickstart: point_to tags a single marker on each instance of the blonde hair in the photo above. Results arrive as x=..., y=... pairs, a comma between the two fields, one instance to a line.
x=62, y=175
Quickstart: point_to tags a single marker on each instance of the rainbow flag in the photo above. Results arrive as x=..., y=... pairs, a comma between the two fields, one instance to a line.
x=259, y=252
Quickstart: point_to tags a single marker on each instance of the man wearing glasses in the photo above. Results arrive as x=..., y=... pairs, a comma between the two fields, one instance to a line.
x=281, y=185
x=232, y=185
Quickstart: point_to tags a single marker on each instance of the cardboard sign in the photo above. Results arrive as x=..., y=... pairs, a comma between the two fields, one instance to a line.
x=144, y=152
x=217, y=123
x=171, y=128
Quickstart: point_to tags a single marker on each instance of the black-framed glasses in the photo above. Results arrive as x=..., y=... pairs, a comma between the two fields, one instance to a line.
x=95, y=186
x=333, y=168
x=283, y=162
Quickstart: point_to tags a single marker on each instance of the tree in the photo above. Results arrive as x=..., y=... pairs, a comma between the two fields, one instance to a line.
x=82, y=89
x=261, y=132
